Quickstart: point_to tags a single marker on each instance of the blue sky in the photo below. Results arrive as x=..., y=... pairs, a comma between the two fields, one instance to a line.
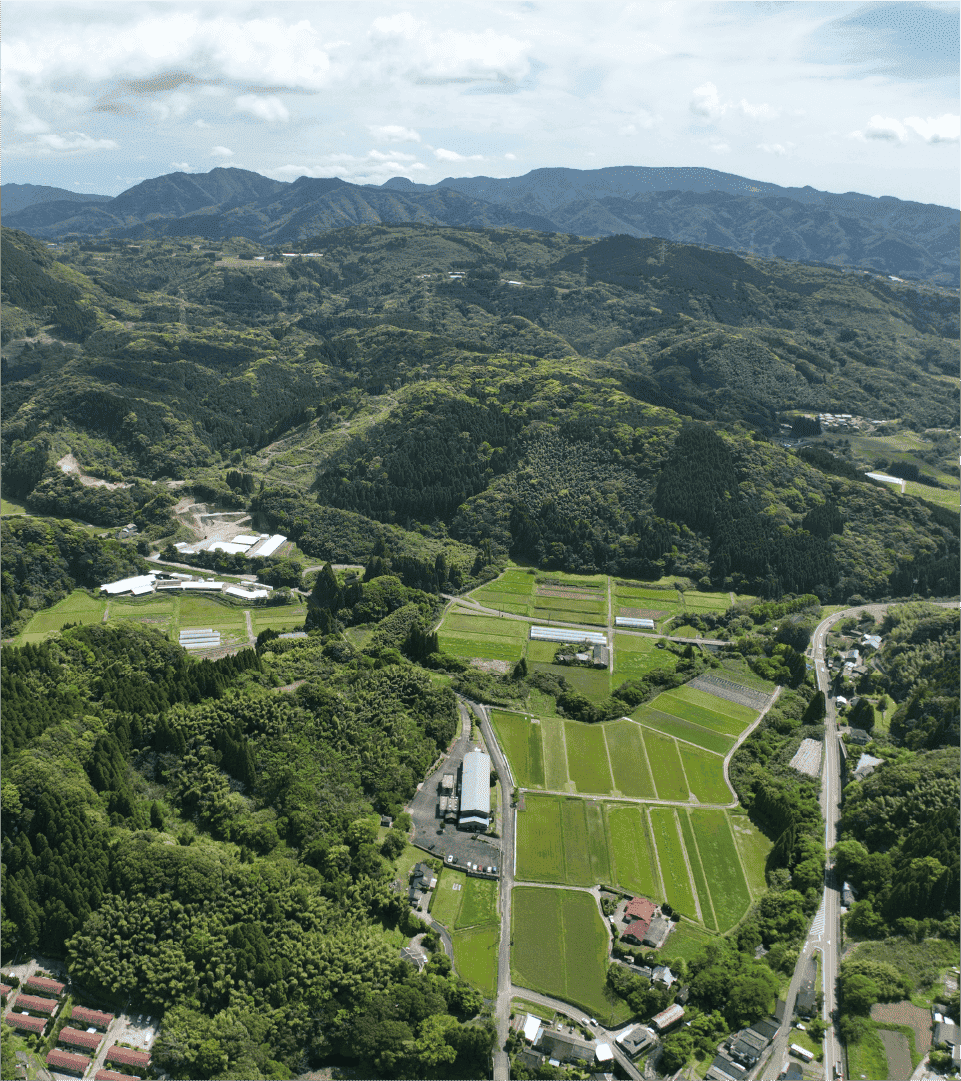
x=841, y=96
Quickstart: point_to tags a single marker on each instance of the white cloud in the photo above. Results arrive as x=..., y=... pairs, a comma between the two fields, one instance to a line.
x=511, y=157
x=393, y=133
x=706, y=102
x=221, y=152
x=379, y=155
x=758, y=112
x=778, y=149
x=73, y=142
x=201, y=124
x=942, y=129
x=452, y=155
x=182, y=166
x=718, y=147
x=271, y=108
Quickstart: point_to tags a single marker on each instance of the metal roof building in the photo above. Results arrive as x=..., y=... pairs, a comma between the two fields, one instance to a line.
x=563, y=634
x=475, y=791
x=630, y=621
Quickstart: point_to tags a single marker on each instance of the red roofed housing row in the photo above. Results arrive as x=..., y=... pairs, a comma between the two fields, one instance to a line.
x=75, y=1037
x=112, y=1075
x=637, y=930
x=5, y=990
x=45, y=986
x=25, y=1022
x=639, y=908
x=63, y=1060
x=126, y=1056
x=46, y=1006
x=91, y=1017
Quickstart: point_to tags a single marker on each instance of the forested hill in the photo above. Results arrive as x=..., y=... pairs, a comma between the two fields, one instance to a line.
x=582, y=404
x=698, y=206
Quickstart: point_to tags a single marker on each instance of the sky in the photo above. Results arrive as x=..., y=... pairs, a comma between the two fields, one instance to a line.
x=862, y=97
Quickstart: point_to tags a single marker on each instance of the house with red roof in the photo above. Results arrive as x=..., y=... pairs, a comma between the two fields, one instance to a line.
x=639, y=908
x=75, y=1037
x=126, y=1056
x=64, y=1061
x=84, y=1016
x=637, y=930
x=112, y=1075
x=25, y=1023
x=46, y=1006
x=5, y=990
x=44, y=986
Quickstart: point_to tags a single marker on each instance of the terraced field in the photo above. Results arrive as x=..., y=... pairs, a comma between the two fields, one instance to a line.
x=729, y=888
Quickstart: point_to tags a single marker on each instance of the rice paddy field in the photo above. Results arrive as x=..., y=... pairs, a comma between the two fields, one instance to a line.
x=729, y=889
x=574, y=969
x=520, y=739
x=475, y=956
x=678, y=888
x=632, y=850
x=564, y=840
x=464, y=634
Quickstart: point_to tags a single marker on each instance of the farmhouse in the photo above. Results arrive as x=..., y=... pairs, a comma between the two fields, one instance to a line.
x=25, y=1023
x=723, y=1069
x=565, y=1048
x=663, y=976
x=668, y=1017
x=859, y=736
x=64, y=1061
x=532, y=1027
x=658, y=931
x=126, y=1056
x=867, y=764
x=635, y=1039
x=414, y=957
x=948, y=1033
x=750, y=1043
x=475, y=792
x=640, y=908
x=636, y=932
x=424, y=876
x=602, y=657
x=96, y=1018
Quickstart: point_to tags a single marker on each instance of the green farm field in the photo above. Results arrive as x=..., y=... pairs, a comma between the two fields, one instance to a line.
x=632, y=850
x=79, y=607
x=520, y=738
x=697, y=870
x=729, y=889
x=576, y=970
x=670, y=856
x=474, y=626
x=672, y=725
x=555, y=754
x=561, y=839
x=686, y=941
x=475, y=957
x=632, y=774
x=665, y=761
x=753, y=848
x=495, y=649
x=705, y=775
x=587, y=761
x=692, y=696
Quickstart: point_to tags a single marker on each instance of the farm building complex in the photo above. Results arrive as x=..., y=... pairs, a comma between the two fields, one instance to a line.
x=475, y=792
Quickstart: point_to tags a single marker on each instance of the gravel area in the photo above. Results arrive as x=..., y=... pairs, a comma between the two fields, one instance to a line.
x=898, y=1054
x=808, y=757
x=906, y=1013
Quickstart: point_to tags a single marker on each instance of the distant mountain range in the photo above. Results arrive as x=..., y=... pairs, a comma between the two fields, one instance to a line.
x=694, y=206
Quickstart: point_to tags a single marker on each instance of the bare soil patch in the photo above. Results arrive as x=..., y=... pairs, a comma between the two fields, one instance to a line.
x=485, y=665
x=577, y=595
x=898, y=1054
x=69, y=464
x=905, y=1013
x=641, y=613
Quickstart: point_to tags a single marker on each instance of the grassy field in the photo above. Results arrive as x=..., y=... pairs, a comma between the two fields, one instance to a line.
x=666, y=766
x=729, y=889
x=681, y=729
x=564, y=840
x=79, y=607
x=922, y=962
x=632, y=774
x=520, y=738
x=632, y=850
x=753, y=847
x=670, y=854
x=706, y=710
x=944, y=497
x=705, y=775
x=475, y=956
x=465, y=635
x=866, y=1057
x=697, y=870
x=555, y=754
x=686, y=941
x=587, y=758
x=12, y=506
x=575, y=969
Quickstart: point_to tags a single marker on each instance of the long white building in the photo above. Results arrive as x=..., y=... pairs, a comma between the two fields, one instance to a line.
x=475, y=792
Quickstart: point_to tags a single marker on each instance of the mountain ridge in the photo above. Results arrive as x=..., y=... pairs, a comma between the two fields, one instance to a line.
x=693, y=205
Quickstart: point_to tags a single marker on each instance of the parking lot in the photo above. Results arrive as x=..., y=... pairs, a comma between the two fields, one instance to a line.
x=445, y=839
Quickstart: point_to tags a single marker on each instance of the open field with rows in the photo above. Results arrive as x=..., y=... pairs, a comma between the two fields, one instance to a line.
x=632, y=850
x=574, y=969
x=561, y=839
x=697, y=871
x=671, y=725
x=678, y=887
x=520, y=739
x=729, y=889
x=587, y=761
x=465, y=635
x=632, y=773
x=666, y=766
x=753, y=848
x=553, y=732
x=79, y=607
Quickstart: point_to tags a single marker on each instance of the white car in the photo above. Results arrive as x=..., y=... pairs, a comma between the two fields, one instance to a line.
x=450, y=859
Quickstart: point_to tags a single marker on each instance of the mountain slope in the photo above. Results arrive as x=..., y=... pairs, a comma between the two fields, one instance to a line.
x=16, y=197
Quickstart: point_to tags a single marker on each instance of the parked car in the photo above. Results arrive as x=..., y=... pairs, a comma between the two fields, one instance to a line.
x=450, y=859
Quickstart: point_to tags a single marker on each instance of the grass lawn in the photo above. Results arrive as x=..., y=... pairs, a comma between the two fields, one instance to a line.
x=666, y=766
x=944, y=497
x=684, y=730
x=520, y=737
x=729, y=890
x=705, y=775
x=593, y=683
x=697, y=869
x=587, y=758
x=478, y=904
x=12, y=506
x=670, y=853
x=632, y=850
x=448, y=896
x=686, y=941
x=632, y=775
x=475, y=956
x=555, y=754
x=576, y=969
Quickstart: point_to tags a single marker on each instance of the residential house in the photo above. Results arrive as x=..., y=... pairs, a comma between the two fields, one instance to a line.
x=75, y=1037
x=847, y=895
x=126, y=1056
x=668, y=1017
x=948, y=1033
x=565, y=1048
x=95, y=1018
x=806, y=1002
x=45, y=986
x=636, y=932
x=25, y=1023
x=424, y=876
x=602, y=656
x=46, y=1006
x=640, y=908
x=867, y=764
x=859, y=736
x=749, y=1044
x=635, y=1039
x=113, y=1075
x=414, y=957
x=663, y=976
x=532, y=1028
x=724, y=1069
x=66, y=1062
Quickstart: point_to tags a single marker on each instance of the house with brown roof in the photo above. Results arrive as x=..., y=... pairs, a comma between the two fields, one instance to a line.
x=126, y=1056
x=639, y=908
x=76, y=1037
x=637, y=931
x=5, y=990
x=44, y=986
x=84, y=1016
x=46, y=1006
x=25, y=1023
x=112, y=1075
x=66, y=1062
